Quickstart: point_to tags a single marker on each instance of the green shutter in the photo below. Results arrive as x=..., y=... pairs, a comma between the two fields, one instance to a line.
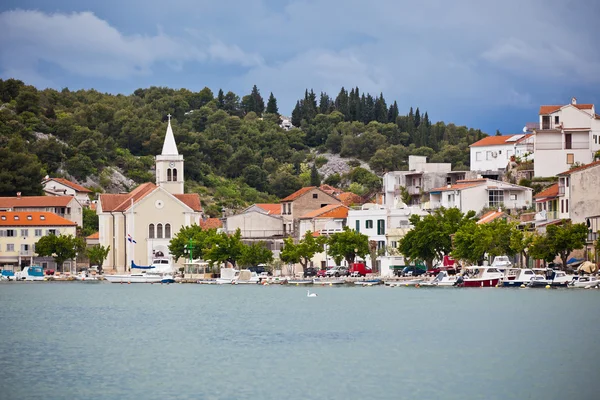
x=357, y=226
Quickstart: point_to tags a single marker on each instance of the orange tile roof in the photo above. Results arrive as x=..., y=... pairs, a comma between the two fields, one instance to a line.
x=460, y=185
x=35, y=201
x=192, y=200
x=70, y=184
x=95, y=235
x=349, y=198
x=569, y=172
x=32, y=218
x=551, y=191
x=554, y=108
x=210, y=223
x=490, y=216
x=329, y=211
x=492, y=141
x=271, y=209
x=122, y=202
x=299, y=193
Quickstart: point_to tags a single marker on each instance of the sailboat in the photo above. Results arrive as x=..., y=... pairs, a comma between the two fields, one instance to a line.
x=160, y=271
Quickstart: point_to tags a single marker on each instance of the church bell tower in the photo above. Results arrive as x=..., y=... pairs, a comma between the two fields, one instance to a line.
x=169, y=164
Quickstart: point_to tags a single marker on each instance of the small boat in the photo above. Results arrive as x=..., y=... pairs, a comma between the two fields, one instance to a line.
x=298, y=282
x=412, y=282
x=7, y=275
x=501, y=263
x=585, y=281
x=31, y=273
x=245, y=277
x=370, y=282
x=442, y=279
x=552, y=278
x=160, y=271
x=227, y=276
x=479, y=276
x=516, y=277
x=328, y=282
x=85, y=276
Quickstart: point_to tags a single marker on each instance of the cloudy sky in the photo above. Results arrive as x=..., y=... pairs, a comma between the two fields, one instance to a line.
x=485, y=64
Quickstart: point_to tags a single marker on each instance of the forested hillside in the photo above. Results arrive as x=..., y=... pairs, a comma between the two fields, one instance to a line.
x=235, y=152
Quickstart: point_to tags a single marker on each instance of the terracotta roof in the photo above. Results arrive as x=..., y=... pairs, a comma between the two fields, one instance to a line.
x=35, y=201
x=329, y=189
x=32, y=218
x=460, y=185
x=95, y=235
x=551, y=109
x=329, y=211
x=490, y=216
x=210, y=223
x=492, y=141
x=192, y=200
x=299, y=193
x=70, y=184
x=551, y=191
x=569, y=172
x=349, y=198
x=271, y=209
x=93, y=206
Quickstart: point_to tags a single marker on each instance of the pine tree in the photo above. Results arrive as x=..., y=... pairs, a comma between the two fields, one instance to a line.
x=257, y=101
x=220, y=100
x=272, y=105
x=498, y=132
x=341, y=103
x=417, y=118
x=297, y=114
x=393, y=113
x=315, y=179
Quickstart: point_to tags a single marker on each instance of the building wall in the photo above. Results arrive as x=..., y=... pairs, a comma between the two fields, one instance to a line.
x=255, y=224
x=75, y=214
x=54, y=188
x=332, y=225
x=551, y=156
x=584, y=194
x=17, y=255
x=476, y=198
x=307, y=203
x=488, y=162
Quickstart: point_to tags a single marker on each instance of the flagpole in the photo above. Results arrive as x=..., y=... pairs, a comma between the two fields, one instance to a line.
x=131, y=234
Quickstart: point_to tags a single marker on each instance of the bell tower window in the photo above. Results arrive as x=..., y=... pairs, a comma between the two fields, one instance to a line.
x=159, y=231
x=169, y=175
x=174, y=174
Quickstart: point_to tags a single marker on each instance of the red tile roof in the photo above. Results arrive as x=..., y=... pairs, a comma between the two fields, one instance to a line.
x=329, y=189
x=211, y=223
x=32, y=218
x=590, y=165
x=463, y=184
x=551, y=191
x=492, y=140
x=192, y=200
x=349, y=198
x=329, y=211
x=35, y=201
x=490, y=216
x=70, y=184
x=122, y=202
x=299, y=193
x=95, y=235
x=554, y=108
x=271, y=209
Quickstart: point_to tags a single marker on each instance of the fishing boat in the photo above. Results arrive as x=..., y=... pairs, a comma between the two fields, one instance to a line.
x=552, y=278
x=516, y=277
x=585, y=281
x=160, y=271
x=31, y=273
x=442, y=279
x=370, y=282
x=85, y=276
x=7, y=275
x=480, y=276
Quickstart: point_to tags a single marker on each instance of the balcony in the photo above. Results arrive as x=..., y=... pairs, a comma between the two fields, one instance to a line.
x=560, y=145
x=561, y=190
x=26, y=253
x=414, y=190
x=544, y=126
x=545, y=215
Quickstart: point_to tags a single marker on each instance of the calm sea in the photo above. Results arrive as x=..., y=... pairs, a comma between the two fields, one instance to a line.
x=107, y=341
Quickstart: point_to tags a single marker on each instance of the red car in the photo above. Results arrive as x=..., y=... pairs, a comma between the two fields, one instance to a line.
x=321, y=273
x=359, y=269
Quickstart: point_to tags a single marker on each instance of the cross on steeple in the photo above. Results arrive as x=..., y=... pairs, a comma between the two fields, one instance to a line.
x=169, y=116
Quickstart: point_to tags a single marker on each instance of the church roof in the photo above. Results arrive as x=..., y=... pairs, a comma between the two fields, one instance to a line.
x=169, y=145
x=122, y=202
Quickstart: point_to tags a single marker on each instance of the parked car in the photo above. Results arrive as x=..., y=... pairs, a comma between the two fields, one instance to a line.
x=310, y=271
x=413, y=270
x=321, y=273
x=337, y=271
x=359, y=269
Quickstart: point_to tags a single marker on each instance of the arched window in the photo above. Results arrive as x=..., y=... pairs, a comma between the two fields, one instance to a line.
x=159, y=231
x=151, y=231
x=167, y=231
x=174, y=174
x=169, y=175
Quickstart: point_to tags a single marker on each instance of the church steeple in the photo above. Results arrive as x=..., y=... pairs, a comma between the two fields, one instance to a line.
x=169, y=164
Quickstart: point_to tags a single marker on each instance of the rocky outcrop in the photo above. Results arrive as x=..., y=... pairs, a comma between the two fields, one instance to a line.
x=337, y=164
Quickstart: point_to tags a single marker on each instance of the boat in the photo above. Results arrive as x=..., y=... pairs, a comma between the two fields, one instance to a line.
x=328, y=282
x=442, y=279
x=412, y=282
x=552, y=278
x=501, y=262
x=160, y=271
x=7, y=275
x=85, y=276
x=370, y=282
x=245, y=277
x=31, y=273
x=586, y=281
x=516, y=277
x=479, y=276
x=300, y=282
x=227, y=276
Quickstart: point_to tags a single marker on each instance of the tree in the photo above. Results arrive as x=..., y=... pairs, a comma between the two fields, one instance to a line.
x=565, y=238
x=520, y=242
x=473, y=241
x=254, y=254
x=61, y=248
x=199, y=239
x=348, y=244
x=272, y=105
x=90, y=222
x=97, y=255
x=223, y=248
x=301, y=252
x=315, y=179
x=20, y=171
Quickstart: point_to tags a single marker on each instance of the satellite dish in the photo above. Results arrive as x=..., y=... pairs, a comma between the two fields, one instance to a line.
x=524, y=129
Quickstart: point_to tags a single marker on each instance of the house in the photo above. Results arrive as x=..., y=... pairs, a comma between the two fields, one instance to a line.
x=326, y=220
x=579, y=192
x=492, y=154
x=478, y=194
x=93, y=239
x=21, y=230
x=301, y=202
x=350, y=199
x=210, y=223
x=492, y=215
x=64, y=206
x=418, y=181
x=547, y=207
x=139, y=225
x=64, y=187
x=565, y=135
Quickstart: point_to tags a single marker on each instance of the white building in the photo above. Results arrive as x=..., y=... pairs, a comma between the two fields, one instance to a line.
x=64, y=187
x=493, y=153
x=477, y=194
x=64, y=206
x=565, y=135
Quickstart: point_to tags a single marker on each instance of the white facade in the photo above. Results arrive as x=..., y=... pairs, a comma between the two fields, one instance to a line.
x=59, y=187
x=493, y=153
x=565, y=135
x=169, y=165
x=255, y=224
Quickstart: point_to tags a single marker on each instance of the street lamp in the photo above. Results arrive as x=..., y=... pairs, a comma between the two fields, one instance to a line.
x=189, y=249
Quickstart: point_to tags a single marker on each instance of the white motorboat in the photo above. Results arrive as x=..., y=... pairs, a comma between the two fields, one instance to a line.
x=412, y=282
x=160, y=271
x=586, y=281
x=245, y=277
x=227, y=276
x=328, y=282
x=31, y=273
x=501, y=263
x=515, y=277
x=85, y=276
x=442, y=279
x=552, y=278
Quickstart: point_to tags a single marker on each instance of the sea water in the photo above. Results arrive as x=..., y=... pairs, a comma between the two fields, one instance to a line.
x=109, y=341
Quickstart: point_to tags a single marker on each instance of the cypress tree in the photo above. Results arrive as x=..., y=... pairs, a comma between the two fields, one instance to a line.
x=272, y=105
x=324, y=102
x=315, y=179
x=297, y=114
x=341, y=103
x=417, y=118
x=258, y=104
x=393, y=113
x=221, y=100
x=369, y=110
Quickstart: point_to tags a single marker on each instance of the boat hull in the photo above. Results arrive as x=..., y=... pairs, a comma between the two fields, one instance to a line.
x=489, y=282
x=541, y=284
x=514, y=283
x=134, y=278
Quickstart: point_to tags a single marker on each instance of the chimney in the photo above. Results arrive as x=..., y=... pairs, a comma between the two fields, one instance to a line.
x=19, y=195
x=573, y=100
x=449, y=186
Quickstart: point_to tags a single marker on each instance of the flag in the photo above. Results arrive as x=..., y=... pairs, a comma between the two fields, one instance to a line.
x=130, y=238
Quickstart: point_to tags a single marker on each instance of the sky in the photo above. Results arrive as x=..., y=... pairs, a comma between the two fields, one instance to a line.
x=484, y=64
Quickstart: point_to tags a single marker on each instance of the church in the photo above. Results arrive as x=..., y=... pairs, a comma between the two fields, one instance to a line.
x=139, y=225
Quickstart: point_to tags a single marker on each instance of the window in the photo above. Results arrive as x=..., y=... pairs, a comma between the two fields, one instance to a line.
x=488, y=155
x=556, y=120
x=16, y=217
x=315, y=196
x=394, y=244
x=596, y=139
x=567, y=181
x=495, y=198
x=11, y=233
x=159, y=231
x=570, y=158
x=174, y=174
x=24, y=232
x=289, y=208
x=513, y=196
x=381, y=227
x=68, y=210
x=566, y=205
x=380, y=244
x=38, y=232
x=10, y=247
x=357, y=229
x=24, y=248
x=151, y=231
x=568, y=141
x=562, y=206
x=168, y=174
x=369, y=224
x=51, y=232
x=167, y=231
x=499, y=151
